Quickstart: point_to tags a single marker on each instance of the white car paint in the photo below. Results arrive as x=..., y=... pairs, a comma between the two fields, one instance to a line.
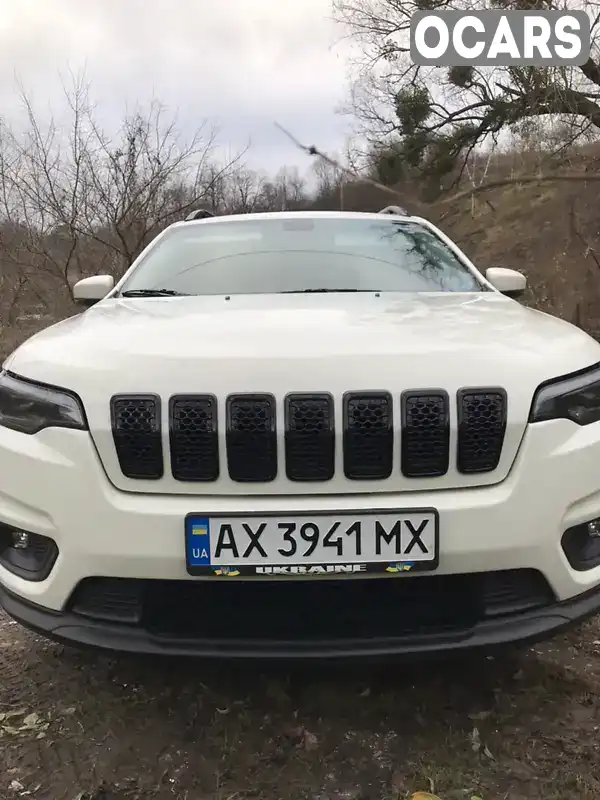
x=303, y=343
x=68, y=485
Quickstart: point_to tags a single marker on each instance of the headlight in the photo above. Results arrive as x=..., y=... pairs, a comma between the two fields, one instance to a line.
x=575, y=397
x=30, y=407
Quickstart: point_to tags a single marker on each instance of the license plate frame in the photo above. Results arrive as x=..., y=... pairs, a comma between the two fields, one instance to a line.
x=355, y=566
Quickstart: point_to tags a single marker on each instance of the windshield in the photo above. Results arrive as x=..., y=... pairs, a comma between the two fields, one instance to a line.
x=274, y=255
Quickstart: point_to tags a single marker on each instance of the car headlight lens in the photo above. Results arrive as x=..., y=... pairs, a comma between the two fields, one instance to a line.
x=30, y=407
x=575, y=397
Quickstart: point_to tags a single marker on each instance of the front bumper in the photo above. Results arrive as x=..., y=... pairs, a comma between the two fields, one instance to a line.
x=526, y=627
x=53, y=484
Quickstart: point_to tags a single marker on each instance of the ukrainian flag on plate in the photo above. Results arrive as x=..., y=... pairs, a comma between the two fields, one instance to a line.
x=230, y=571
x=199, y=528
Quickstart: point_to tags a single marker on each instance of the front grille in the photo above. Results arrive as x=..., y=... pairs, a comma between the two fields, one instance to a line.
x=514, y=591
x=309, y=438
x=137, y=435
x=368, y=436
x=251, y=438
x=425, y=434
x=294, y=609
x=109, y=599
x=481, y=428
x=193, y=438
x=380, y=435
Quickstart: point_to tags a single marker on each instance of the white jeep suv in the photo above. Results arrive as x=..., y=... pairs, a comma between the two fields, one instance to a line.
x=301, y=435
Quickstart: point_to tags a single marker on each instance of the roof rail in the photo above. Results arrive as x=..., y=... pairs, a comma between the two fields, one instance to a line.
x=199, y=213
x=400, y=212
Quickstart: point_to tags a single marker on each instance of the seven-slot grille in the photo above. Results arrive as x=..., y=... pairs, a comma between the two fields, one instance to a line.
x=371, y=421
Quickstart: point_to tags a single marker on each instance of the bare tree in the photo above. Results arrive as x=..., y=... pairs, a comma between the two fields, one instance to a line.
x=476, y=170
x=86, y=200
x=434, y=117
x=327, y=175
x=244, y=191
x=289, y=188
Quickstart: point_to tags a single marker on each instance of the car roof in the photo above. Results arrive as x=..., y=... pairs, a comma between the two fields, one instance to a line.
x=265, y=215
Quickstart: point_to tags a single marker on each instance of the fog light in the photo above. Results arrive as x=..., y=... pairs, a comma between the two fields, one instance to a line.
x=581, y=545
x=593, y=528
x=20, y=540
x=29, y=555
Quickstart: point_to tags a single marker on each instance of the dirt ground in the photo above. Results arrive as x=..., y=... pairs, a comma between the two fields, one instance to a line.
x=75, y=725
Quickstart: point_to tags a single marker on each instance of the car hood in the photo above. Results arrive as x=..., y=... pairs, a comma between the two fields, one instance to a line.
x=278, y=344
x=483, y=334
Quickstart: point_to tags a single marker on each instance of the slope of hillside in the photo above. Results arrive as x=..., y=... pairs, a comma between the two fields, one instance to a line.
x=550, y=231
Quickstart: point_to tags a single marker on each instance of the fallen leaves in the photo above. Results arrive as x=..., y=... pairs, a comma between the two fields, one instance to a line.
x=310, y=741
x=425, y=796
x=302, y=737
x=429, y=796
x=477, y=745
x=20, y=723
x=479, y=715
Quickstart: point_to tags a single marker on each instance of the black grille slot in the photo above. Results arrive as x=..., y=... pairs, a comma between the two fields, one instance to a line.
x=193, y=438
x=113, y=599
x=251, y=438
x=368, y=436
x=317, y=611
x=137, y=435
x=513, y=591
x=264, y=611
x=425, y=438
x=481, y=428
x=309, y=437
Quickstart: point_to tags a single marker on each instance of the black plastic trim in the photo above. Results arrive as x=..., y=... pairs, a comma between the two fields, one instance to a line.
x=34, y=576
x=159, y=473
x=573, y=542
x=524, y=627
x=214, y=436
x=328, y=452
x=405, y=434
x=270, y=453
x=388, y=466
x=461, y=425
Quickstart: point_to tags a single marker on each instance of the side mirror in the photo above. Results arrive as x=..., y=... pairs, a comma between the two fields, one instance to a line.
x=90, y=290
x=508, y=281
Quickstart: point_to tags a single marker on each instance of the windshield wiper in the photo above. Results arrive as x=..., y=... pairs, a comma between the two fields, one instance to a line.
x=324, y=291
x=153, y=293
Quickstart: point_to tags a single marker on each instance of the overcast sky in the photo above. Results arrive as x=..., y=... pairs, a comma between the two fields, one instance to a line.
x=240, y=63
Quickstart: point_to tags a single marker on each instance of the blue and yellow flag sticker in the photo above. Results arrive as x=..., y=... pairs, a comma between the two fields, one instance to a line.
x=400, y=566
x=230, y=571
x=200, y=530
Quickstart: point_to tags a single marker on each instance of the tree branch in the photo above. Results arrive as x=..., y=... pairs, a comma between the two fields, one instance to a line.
x=312, y=150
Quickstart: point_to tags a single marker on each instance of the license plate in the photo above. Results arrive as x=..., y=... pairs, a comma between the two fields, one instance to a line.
x=312, y=544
